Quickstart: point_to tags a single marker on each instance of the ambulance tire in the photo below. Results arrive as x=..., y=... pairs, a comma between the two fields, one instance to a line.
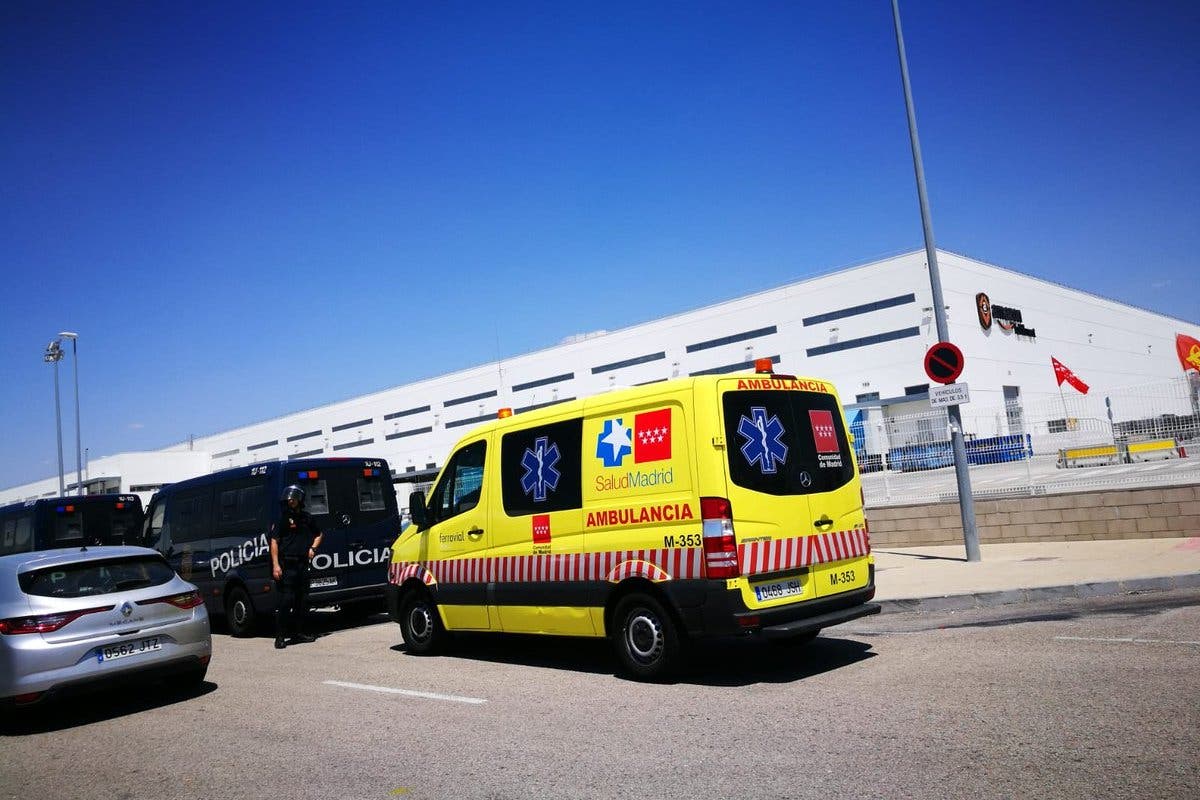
x=239, y=613
x=646, y=638
x=420, y=624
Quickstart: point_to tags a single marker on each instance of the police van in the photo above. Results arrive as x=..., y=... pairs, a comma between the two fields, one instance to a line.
x=718, y=505
x=49, y=522
x=213, y=531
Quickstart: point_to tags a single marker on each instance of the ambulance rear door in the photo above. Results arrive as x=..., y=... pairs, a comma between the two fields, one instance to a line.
x=790, y=477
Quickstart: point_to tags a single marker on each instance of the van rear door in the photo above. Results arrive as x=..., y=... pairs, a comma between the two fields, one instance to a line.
x=793, y=491
x=354, y=506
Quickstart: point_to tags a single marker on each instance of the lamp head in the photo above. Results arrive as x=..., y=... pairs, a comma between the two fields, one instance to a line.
x=54, y=352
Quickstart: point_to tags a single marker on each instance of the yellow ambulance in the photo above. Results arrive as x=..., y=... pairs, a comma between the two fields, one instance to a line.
x=706, y=506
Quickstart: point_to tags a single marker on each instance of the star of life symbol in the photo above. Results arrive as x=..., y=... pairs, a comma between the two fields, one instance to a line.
x=540, y=473
x=614, y=442
x=763, y=445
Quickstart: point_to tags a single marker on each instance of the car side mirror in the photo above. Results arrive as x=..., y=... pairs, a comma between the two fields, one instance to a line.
x=417, y=510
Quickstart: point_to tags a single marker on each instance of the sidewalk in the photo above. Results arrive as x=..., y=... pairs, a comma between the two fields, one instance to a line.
x=941, y=579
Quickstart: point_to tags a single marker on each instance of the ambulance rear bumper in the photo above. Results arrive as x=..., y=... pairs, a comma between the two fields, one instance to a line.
x=707, y=608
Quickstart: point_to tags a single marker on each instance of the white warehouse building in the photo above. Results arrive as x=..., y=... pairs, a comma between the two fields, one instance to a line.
x=864, y=328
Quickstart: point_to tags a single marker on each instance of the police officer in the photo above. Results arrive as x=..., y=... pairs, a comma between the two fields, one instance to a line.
x=294, y=542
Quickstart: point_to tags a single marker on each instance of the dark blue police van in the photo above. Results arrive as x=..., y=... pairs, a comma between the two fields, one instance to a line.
x=85, y=520
x=213, y=531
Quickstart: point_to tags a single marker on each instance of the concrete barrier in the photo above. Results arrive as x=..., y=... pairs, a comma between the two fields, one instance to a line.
x=1158, y=449
x=1097, y=455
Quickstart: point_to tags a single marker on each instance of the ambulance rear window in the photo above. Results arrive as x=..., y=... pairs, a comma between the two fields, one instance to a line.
x=786, y=442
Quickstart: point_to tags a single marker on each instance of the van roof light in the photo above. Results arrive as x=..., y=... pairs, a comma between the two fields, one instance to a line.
x=764, y=365
x=504, y=413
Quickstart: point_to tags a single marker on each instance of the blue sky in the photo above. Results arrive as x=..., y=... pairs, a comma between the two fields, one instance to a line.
x=250, y=209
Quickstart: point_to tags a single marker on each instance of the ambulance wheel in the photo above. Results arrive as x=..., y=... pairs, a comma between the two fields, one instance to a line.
x=239, y=613
x=420, y=625
x=646, y=638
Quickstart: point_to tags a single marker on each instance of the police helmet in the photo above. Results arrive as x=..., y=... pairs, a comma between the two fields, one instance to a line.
x=294, y=492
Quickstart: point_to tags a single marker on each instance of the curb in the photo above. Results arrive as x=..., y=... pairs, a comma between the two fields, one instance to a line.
x=1081, y=591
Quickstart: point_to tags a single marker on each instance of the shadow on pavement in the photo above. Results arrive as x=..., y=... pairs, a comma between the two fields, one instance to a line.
x=321, y=622
x=710, y=663
x=921, y=556
x=75, y=710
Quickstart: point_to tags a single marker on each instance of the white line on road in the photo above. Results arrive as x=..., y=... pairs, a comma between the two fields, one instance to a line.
x=1121, y=640
x=453, y=698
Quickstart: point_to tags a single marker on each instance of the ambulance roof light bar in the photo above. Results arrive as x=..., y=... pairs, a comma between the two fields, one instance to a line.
x=504, y=413
x=766, y=366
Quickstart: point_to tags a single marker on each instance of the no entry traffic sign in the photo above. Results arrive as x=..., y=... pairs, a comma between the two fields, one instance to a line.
x=943, y=362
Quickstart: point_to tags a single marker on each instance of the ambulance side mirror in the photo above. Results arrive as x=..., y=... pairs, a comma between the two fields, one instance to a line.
x=416, y=510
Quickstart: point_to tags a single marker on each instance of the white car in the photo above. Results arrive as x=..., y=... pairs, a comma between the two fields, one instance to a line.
x=82, y=618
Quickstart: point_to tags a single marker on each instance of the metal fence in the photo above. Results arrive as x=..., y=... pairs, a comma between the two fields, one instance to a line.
x=1136, y=436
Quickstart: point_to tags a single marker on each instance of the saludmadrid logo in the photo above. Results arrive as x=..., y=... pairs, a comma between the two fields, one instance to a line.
x=635, y=480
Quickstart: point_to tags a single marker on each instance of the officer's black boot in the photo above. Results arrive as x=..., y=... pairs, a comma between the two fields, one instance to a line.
x=300, y=616
x=280, y=642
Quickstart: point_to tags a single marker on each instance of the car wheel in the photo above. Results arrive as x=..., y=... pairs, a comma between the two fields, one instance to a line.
x=239, y=612
x=646, y=638
x=420, y=625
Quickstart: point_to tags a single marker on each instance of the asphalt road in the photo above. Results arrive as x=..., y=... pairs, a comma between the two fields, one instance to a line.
x=1079, y=699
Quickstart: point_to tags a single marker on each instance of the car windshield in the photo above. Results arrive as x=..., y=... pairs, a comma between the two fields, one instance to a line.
x=91, y=578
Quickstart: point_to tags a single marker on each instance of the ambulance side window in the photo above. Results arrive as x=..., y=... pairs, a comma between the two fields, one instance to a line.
x=461, y=484
x=541, y=468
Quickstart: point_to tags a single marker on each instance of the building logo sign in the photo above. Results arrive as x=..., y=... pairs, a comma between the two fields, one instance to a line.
x=984, y=306
x=1008, y=319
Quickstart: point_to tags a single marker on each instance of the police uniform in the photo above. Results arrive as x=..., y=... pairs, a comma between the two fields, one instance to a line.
x=294, y=535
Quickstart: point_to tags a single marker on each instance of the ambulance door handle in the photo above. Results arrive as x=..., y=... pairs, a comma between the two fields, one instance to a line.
x=475, y=533
x=823, y=522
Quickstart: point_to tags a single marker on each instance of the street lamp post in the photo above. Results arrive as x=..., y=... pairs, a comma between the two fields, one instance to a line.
x=53, y=355
x=74, y=337
x=966, y=501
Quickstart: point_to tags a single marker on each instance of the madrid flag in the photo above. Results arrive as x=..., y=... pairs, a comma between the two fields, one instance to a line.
x=1061, y=373
x=1188, y=349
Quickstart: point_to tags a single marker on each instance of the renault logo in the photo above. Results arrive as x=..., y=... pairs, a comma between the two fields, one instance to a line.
x=126, y=609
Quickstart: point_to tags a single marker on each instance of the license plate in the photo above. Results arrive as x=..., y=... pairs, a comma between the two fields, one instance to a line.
x=777, y=589
x=126, y=649
x=320, y=583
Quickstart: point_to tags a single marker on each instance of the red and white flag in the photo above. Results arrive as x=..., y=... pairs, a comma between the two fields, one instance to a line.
x=1188, y=349
x=1061, y=373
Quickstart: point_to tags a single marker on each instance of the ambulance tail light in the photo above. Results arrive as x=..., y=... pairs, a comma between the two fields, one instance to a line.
x=720, y=547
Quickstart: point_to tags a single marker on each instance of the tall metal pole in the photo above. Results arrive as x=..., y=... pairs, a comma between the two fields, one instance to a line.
x=966, y=502
x=53, y=355
x=74, y=337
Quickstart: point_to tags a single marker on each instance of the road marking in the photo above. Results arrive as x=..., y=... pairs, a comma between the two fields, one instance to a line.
x=1122, y=640
x=453, y=698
